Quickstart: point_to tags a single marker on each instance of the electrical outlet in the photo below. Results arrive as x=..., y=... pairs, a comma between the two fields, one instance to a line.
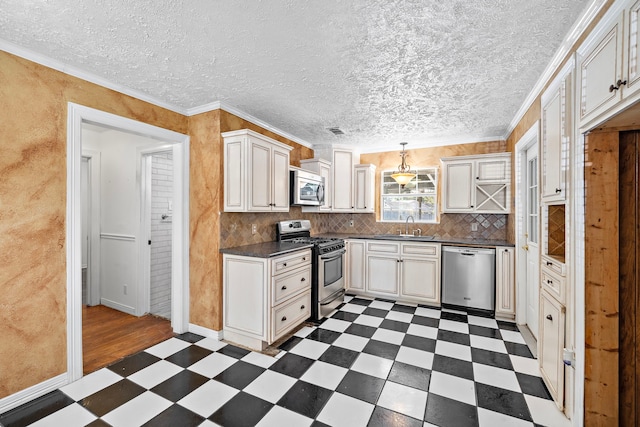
x=254, y=228
x=350, y=223
x=474, y=226
x=125, y=289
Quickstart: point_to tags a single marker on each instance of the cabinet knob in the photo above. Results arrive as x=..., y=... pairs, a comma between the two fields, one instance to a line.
x=477, y=177
x=617, y=86
x=549, y=263
x=550, y=282
x=471, y=205
x=304, y=258
x=302, y=307
x=284, y=318
x=558, y=190
x=284, y=264
x=303, y=279
x=284, y=288
x=549, y=317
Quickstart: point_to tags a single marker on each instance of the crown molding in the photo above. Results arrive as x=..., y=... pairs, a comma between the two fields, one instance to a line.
x=431, y=144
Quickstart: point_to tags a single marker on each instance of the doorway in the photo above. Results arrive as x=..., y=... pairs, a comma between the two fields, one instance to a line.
x=179, y=147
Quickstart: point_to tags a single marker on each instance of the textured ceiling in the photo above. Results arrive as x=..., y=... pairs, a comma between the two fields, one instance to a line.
x=384, y=71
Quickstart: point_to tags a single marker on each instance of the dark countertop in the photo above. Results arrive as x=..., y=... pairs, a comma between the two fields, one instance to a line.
x=265, y=250
x=426, y=239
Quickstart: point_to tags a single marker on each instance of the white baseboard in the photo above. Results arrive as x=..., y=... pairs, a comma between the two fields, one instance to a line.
x=118, y=306
x=33, y=392
x=205, y=332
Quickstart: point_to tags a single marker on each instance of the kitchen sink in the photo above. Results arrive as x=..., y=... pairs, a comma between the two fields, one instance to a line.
x=404, y=237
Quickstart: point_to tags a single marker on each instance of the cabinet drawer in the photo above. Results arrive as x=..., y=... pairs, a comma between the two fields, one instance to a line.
x=553, y=284
x=288, y=284
x=554, y=265
x=383, y=247
x=289, y=314
x=421, y=249
x=290, y=262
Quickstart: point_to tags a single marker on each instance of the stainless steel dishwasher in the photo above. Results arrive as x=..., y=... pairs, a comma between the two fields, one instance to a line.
x=469, y=277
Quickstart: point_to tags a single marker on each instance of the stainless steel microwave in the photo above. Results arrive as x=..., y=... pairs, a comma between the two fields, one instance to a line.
x=307, y=188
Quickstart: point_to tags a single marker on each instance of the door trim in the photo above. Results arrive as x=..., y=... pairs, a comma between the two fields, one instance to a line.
x=530, y=137
x=76, y=115
x=93, y=271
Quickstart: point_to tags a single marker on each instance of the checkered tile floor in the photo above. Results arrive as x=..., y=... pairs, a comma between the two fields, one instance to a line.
x=374, y=362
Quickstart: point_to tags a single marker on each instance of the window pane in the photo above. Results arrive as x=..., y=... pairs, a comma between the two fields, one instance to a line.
x=418, y=198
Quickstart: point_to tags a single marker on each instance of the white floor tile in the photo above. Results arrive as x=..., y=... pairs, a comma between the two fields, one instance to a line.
x=428, y=312
x=91, y=383
x=345, y=411
x=423, y=331
x=325, y=375
x=69, y=416
x=352, y=342
x=383, y=305
x=347, y=298
x=490, y=344
x=450, y=325
x=270, y=386
x=279, y=416
x=304, y=331
x=211, y=344
x=309, y=348
x=209, y=423
x=365, y=319
x=512, y=336
x=456, y=388
x=525, y=365
x=168, y=347
x=335, y=325
x=207, y=398
x=482, y=321
x=487, y=418
x=386, y=335
x=497, y=377
x=372, y=365
x=154, y=374
x=354, y=308
x=406, y=400
x=259, y=359
x=138, y=410
x=212, y=365
x=450, y=349
x=399, y=316
x=545, y=412
x=415, y=357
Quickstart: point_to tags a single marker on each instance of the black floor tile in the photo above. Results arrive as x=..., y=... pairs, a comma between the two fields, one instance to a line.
x=360, y=301
x=317, y=423
x=381, y=349
x=508, y=326
x=109, y=398
x=485, y=332
x=361, y=330
x=377, y=312
x=445, y=412
x=306, y=399
x=233, y=351
x=324, y=335
x=503, y=401
x=361, y=386
x=426, y=321
x=454, y=337
x=175, y=415
x=404, y=308
x=132, y=364
x=242, y=410
x=383, y=417
x=239, y=375
x=292, y=365
x=394, y=325
x=491, y=358
x=533, y=386
x=190, y=337
x=410, y=375
x=419, y=343
x=456, y=317
x=451, y=366
x=98, y=423
x=36, y=409
x=290, y=343
x=188, y=356
x=518, y=349
x=179, y=385
x=346, y=316
x=339, y=356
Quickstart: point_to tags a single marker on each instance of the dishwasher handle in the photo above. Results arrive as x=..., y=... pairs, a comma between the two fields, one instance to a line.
x=467, y=251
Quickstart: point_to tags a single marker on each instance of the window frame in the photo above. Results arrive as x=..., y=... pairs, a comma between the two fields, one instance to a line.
x=436, y=196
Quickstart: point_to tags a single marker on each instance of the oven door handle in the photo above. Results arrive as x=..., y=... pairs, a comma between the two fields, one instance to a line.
x=338, y=294
x=333, y=255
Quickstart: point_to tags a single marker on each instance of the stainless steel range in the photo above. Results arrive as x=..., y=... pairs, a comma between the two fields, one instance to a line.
x=328, y=265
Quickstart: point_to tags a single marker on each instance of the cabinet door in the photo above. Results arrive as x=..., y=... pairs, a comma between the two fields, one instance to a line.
x=280, y=180
x=245, y=296
x=458, y=192
x=382, y=274
x=552, y=173
x=235, y=176
x=551, y=345
x=505, y=282
x=420, y=279
x=493, y=170
x=355, y=265
x=259, y=176
x=342, y=181
x=600, y=69
x=364, y=190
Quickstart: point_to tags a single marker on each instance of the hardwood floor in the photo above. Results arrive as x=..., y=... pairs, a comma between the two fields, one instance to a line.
x=108, y=335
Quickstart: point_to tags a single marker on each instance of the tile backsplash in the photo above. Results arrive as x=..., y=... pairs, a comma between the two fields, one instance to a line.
x=236, y=227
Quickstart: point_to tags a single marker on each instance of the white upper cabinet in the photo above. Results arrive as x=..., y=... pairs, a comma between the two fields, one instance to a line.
x=479, y=184
x=633, y=49
x=556, y=135
x=364, y=188
x=343, y=162
x=256, y=173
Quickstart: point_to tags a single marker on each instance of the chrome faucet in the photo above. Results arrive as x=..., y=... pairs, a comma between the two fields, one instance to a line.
x=406, y=224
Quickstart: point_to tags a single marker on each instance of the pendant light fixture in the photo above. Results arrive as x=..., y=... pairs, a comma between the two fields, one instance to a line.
x=404, y=173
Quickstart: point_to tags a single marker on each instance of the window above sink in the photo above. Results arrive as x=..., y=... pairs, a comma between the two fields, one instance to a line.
x=418, y=198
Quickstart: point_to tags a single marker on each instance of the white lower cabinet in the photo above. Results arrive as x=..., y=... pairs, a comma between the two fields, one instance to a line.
x=551, y=345
x=416, y=272
x=382, y=274
x=264, y=298
x=355, y=277
x=505, y=283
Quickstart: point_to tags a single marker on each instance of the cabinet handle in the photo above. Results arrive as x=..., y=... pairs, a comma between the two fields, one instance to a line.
x=617, y=86
x=549, y=317
x=558, y=190
x=284, y=264
x=284, y=318
x=303, y=279
x=549, y=263
x=284, y=288
x=302, y=307
x=550, y=282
